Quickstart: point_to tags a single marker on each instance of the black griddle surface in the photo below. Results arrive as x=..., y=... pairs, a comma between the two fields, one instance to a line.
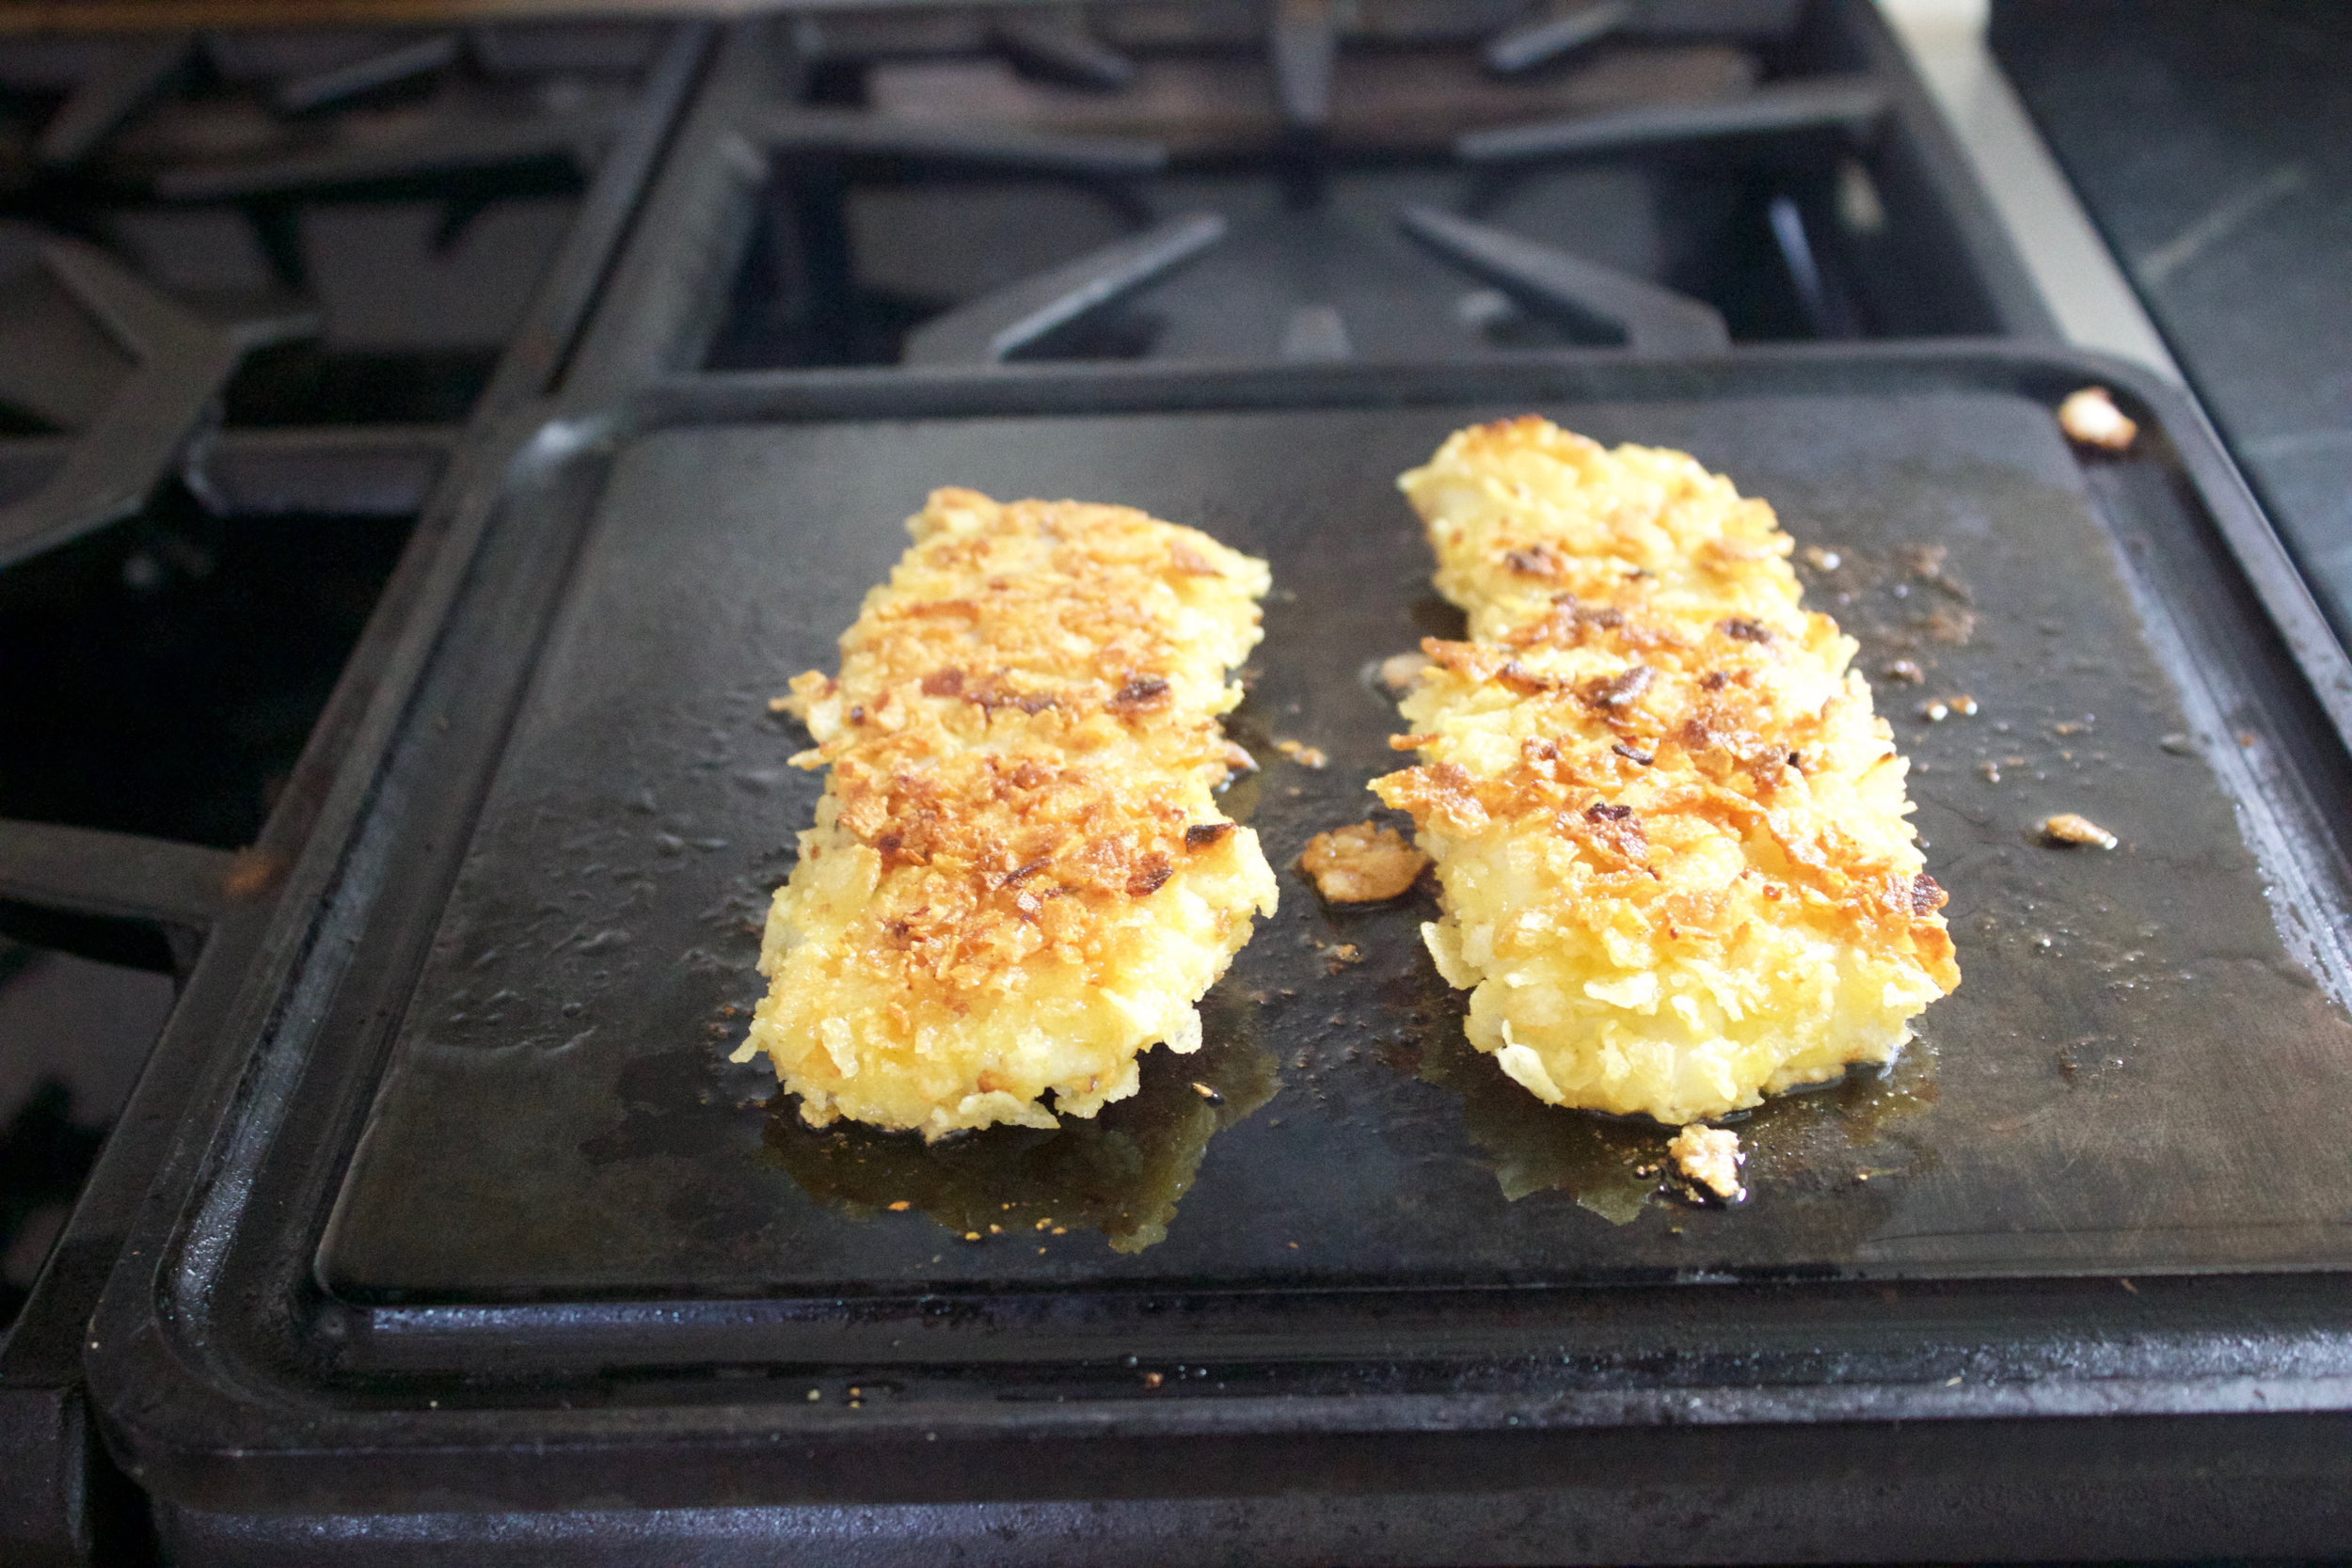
x=2136, y=1076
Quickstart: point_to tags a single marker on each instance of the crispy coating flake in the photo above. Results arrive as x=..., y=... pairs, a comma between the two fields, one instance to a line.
x=1019, y=878
x=1363, y=863
x=1669, y=828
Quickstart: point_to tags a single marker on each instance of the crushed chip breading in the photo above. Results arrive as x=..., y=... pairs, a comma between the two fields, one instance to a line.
x=1710, y=1157
x=1019, y=878
x=1669, y=829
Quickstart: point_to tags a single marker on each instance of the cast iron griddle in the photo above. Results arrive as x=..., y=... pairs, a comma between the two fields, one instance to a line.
x=2138, y=1074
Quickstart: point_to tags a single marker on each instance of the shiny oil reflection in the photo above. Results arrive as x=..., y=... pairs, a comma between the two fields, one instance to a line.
x=1849, y=1131
x=1120, y=1173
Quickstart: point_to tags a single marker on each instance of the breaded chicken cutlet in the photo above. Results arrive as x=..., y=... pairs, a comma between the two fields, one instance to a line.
x=1669, y=830
x=1019, y=878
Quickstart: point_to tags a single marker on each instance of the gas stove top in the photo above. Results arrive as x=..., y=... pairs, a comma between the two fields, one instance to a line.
x=282, y=311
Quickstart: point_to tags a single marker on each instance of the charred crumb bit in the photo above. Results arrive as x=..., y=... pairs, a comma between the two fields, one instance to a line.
x=1517, y=677
x=1361, y=863
x=1020, y=874
x=1607, y=811
x=1302, y=753
x=1903, y=670
x=1639, y=759
x=1207, y=1093
x=1149, y=877
x=1822, y=559
x=1714, y=680
x=1614, y=693
x=2091, y=418
x=1139, y=694
x=1205, y=835
x=1710, y=1157
x=2069, y=828
x=1535, y=561
x=1398, y=671
x=1740, y=628
x=1927, y=896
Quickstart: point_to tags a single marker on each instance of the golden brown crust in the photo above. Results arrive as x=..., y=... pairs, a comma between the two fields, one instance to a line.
x=1669, y=828
x=1018, y=875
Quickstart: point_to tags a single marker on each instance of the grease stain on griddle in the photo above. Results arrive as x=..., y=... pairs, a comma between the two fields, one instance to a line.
x=1121, y=1172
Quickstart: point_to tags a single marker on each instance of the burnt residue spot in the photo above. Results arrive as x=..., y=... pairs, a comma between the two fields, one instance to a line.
x=1517, y=677
x=1202, y=835
x=1642, y=759
x=1925, y=897
x=1741, y=629
x=993, y=694
x=1141, y=694
x=943, y=683
x=1614, y=693
x=1591, y=614
x=1535, y=561
x=1149, y=875
x=1020, y=874
x=1607, y=811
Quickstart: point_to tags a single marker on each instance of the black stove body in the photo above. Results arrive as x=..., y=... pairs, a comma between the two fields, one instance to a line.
x=319, y=344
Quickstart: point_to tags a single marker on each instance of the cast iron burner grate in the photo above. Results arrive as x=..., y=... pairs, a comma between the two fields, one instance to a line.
x=1042, y=193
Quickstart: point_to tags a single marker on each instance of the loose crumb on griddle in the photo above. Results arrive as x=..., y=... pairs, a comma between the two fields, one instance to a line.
x=1361, y=865
x=2090, y=416
x=1710, y=1158
x=1302, y=753
x=2068, y=828
x=1398, y=671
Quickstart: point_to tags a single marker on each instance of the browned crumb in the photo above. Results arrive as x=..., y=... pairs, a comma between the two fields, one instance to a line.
x=1710, y=1157
x=900, y=1206
x=1302, y=753
x=2067, y=828
x=1822, y=559
x=1153, y=1380
x=2091, y=417
x=1361, y=865
x=1207, y=1093
x=1944, y=707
